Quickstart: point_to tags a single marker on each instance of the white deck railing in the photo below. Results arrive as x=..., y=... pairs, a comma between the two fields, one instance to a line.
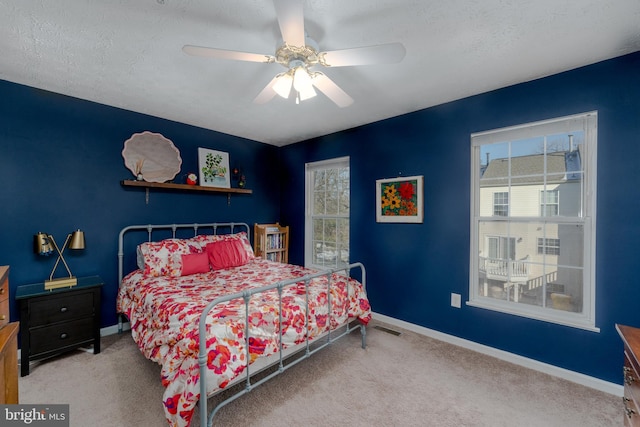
x=505, y=269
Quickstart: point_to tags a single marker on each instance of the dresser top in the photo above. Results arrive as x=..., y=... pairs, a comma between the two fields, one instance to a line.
x=631, y=337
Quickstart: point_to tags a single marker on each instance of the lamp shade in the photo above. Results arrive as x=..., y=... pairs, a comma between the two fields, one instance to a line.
x=301, y=79
x=77, y=240
x=42, y=244
x=282, y=86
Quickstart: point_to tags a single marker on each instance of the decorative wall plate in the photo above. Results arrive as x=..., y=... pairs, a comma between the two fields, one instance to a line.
x=153, y=156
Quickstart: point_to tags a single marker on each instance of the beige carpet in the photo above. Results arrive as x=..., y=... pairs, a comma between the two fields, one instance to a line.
x=406, y=380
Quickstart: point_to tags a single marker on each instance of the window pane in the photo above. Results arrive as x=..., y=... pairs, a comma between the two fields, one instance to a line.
x=319, y=180
x=319, y=207
x=566, y=293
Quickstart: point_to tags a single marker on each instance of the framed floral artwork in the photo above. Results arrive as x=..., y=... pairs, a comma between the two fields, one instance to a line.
x=214, y=168
x=399, y=199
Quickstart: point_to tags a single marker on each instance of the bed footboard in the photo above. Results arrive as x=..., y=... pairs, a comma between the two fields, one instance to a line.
x=319, y=343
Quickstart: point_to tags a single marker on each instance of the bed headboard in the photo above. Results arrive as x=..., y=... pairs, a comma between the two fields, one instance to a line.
x=137, y=234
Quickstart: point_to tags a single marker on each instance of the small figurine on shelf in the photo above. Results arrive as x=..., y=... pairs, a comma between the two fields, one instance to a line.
x=239, y=176
x=192, y=179
x=138, y=168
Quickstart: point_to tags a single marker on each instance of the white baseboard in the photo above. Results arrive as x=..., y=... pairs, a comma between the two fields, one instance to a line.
x=576, y=377
x=113, y=329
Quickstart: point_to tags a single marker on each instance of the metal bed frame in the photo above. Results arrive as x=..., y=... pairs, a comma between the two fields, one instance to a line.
x=283, y=354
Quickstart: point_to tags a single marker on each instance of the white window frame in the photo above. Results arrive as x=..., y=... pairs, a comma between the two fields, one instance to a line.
x=586, y=122
x=310, y=169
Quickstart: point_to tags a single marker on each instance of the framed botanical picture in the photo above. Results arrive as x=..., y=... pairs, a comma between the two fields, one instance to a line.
x=399, y=199
x=214, y=168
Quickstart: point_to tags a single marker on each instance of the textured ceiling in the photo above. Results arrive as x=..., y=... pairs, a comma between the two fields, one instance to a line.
x=127, y=54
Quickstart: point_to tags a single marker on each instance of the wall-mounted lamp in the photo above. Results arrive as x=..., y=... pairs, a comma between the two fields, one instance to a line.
x=45, y=244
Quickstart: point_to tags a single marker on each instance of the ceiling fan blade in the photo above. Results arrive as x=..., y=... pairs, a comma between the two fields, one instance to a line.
x=267, y=93
x=331, y=90
x=291, y=20
x=379, y=54
x=210, y=52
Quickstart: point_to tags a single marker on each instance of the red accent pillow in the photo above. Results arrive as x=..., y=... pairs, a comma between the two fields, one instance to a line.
x=226, y=253
x=195, y=263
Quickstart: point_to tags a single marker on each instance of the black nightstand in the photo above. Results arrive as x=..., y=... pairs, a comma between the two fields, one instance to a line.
x=58, y=320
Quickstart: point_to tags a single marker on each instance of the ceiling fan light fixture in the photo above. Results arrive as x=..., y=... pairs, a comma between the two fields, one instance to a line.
x=282, y=86
x=301, y=80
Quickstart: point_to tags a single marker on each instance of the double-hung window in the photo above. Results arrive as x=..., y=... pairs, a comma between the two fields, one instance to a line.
x=530, y=255
x=327, y=213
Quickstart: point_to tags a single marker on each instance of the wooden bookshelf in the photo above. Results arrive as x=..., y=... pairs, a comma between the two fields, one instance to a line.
x=271, y=241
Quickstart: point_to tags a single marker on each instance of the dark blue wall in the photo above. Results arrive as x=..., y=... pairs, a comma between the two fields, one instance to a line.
x=61, y=167
x=413, y=268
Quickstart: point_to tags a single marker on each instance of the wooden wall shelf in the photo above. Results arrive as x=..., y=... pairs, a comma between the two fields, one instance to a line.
x=183, y=187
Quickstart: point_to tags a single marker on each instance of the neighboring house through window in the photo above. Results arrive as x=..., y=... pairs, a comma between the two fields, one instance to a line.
x=531, y=255
x=327, y=213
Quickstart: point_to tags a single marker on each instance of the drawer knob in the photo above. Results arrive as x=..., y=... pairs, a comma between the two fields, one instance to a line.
x=63, y=336
x=1, y=291
x=63, y=309
x=629, y=412
x=3, y=316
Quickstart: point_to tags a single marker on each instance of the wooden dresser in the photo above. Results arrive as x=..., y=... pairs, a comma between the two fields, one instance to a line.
x=8, y=344
x=631, y=372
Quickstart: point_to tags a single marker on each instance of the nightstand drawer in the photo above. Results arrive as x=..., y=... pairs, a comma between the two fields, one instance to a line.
x=60, y=335
x=61, y=308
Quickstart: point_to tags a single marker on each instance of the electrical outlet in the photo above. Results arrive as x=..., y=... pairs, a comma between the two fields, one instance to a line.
x=456, y=300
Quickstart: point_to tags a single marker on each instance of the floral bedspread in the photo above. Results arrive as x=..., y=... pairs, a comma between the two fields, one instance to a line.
x=164, y=313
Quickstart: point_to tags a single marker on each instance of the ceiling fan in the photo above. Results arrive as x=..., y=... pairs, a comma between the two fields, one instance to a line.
x=299, y=54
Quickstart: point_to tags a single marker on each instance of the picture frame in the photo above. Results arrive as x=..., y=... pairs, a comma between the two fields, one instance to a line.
x=400, y=200
x=213, y=168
